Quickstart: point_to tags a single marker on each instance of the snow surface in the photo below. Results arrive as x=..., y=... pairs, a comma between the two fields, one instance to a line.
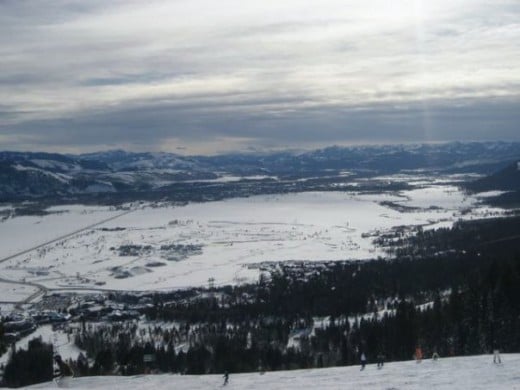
x=21, y=233
x=460, y=373
x=15, y=292
x=53, y=164
x=58, y=176
x=185, y=246
x=6, y=308
x=490, y=194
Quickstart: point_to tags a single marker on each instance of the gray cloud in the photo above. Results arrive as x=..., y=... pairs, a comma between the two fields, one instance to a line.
x=152, y=75
x=204, y=132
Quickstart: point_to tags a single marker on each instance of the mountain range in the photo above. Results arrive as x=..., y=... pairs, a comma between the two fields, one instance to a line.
x=29, y=175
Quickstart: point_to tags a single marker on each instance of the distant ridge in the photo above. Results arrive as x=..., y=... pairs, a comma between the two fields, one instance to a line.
x=129, y=176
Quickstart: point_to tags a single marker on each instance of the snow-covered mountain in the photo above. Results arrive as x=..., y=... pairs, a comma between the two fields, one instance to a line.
x=30, y=175
x=27, y=175
x=119, y=160
x=459, y=373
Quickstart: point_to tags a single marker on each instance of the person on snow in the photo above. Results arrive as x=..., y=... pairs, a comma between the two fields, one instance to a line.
x=226, y=378
x=63, y=368
x=496, y=356
x=363, y=360
x=435, y=356
x=380, y=360
x=418, y=354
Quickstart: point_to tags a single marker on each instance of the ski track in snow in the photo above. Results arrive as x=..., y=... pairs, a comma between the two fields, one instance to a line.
x=459, y=373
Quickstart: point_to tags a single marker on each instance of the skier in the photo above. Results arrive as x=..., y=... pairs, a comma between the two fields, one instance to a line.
x=226, y=378
x=435, y=356
x=61, y=371
x=418, y=354
x=63, y=368
x=496, y=356
x=380, y=360
x=363, y=361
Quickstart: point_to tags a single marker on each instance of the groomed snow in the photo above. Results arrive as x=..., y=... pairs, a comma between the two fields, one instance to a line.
x=461, y=373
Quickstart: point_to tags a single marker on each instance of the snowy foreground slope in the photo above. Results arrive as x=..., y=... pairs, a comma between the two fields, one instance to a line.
x=476, y=372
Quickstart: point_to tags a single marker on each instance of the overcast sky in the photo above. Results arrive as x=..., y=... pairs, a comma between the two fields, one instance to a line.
x=205, y=76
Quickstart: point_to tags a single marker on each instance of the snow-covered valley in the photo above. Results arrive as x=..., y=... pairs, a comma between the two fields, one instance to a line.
x=163, y=246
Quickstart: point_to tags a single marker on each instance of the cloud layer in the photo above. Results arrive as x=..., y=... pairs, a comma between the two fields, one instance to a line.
x=214, y=76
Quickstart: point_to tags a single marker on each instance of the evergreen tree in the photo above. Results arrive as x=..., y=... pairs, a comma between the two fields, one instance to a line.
x=27, y=367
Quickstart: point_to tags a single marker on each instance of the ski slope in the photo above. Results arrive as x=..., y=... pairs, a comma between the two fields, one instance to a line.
x=475, y=372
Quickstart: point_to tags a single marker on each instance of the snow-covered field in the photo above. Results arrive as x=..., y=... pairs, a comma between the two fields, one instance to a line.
x=21, y=233
x=461, y=373
x=165, y=247
x=15, y=292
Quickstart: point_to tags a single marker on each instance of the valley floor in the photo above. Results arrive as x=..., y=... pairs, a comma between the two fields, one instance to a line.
x=475, y=372
x=165, y=247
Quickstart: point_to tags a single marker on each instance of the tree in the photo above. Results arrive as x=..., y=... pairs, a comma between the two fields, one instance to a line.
x=26, y=367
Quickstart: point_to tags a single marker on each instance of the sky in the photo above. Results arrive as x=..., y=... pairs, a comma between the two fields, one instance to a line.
x=207, y=77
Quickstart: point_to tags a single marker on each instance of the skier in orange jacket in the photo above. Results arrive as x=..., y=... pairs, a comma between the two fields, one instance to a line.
x=418, y=354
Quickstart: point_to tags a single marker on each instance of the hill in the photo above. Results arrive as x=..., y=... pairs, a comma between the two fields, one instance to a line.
x=474, y=372
x=507, y=179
